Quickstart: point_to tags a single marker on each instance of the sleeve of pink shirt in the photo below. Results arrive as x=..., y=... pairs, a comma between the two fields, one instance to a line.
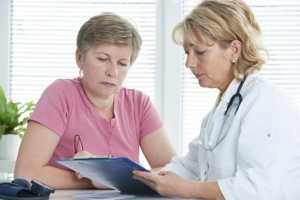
x=149, y=117
x=52, y=108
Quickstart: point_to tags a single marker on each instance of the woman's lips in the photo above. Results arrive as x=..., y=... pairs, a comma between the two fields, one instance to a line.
x=108, y=84
x=198, y=76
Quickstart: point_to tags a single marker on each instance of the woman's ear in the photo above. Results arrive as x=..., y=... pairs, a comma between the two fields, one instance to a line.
x=236, y=48
x=78, y=56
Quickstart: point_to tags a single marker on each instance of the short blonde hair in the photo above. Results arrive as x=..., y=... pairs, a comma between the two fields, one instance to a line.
x=109, y=28
x=223, y=21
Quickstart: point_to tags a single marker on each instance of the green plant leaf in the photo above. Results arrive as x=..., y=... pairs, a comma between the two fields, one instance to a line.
x=2, y=129
x=13, y=115
x=2, y=101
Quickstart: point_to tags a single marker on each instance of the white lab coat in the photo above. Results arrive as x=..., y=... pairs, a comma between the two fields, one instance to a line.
x=259, y=157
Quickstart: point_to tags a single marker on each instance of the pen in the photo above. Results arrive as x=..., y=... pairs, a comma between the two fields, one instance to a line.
x=78, y=145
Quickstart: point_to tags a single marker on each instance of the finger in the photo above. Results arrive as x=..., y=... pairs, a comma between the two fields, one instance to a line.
x=163, y=173
x=145, y=181
x=155, y=170
x=154, y=178
x=137, y=172
x=78, y=175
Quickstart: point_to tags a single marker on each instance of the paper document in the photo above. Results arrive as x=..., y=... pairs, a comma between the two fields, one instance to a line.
x=113, y=172
x=108, y=195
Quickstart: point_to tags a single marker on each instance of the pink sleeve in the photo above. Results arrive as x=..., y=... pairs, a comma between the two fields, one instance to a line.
x=52, y=108
x=149, y=117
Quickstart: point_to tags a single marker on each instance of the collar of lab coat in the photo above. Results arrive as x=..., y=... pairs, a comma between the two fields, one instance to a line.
x=216, y=124
x=232, y=88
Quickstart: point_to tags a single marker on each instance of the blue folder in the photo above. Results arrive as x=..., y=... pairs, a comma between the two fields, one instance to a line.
x=113, y=172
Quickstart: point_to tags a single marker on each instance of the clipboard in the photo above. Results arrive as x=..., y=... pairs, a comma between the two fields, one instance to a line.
x=115, y=172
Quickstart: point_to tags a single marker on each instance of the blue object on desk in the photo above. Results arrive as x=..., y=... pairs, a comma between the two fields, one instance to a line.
x=22, y=189
x=113, y=172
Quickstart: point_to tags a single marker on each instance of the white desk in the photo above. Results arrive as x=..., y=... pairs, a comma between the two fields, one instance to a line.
x=92, y=194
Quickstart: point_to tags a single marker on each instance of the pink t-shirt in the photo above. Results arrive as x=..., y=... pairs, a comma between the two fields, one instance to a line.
x=65, y=109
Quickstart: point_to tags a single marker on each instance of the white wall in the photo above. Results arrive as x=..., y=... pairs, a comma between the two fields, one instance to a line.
x=171, y=70
x=169, y=59
x=4, y=43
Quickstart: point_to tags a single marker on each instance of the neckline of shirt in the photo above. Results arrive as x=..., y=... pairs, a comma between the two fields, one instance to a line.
x=93, y=110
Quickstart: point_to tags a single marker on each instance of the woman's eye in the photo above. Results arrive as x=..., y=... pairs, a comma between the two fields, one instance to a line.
x=186, y=51
x=199, y=53
x=102, y=59
x=123, y=64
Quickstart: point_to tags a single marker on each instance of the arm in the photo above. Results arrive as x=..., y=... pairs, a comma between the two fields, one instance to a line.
x=206, y=190
x=152, y=136
x=157, y=148
x=187, y=166
x=169, y=184
x=35, y=152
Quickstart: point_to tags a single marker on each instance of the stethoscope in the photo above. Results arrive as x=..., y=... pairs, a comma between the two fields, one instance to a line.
x=237, y=96
x=217, y=129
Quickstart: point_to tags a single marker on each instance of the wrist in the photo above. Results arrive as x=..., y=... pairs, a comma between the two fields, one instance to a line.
x=188, y=189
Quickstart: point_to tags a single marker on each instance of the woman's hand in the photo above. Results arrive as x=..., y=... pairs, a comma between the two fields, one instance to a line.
x=169, y=184
x=165, y=183
x=86, y=154
x=82, y=154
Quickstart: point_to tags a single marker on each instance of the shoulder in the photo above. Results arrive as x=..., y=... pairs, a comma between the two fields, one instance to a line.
x=61, y=91
x=63, y=84
x=262, y=90
x=62, y=87
x=267, y=100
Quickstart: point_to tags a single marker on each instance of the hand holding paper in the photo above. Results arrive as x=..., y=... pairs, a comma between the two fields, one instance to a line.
x=85, y=155
x=113, y=172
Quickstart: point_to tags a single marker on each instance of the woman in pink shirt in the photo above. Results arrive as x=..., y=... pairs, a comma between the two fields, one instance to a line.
x=93, y=112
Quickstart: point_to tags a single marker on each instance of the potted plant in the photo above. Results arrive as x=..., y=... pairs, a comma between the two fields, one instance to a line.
x=13, y=119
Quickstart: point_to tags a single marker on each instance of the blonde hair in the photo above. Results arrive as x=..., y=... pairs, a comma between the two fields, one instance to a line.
x=109, y=28
x=223, y=21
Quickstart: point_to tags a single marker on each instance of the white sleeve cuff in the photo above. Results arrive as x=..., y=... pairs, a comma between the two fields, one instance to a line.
x=178, y=168
x=225, y=189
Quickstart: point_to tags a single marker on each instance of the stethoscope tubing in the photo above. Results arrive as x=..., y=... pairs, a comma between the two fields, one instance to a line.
x=236, y=97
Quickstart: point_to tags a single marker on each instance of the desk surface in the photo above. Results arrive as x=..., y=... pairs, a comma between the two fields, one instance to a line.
x=96, y=194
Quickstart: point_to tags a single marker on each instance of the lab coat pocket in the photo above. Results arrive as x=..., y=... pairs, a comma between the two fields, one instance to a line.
x=256, y=147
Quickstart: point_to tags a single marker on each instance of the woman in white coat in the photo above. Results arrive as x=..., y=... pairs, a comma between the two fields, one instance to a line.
x=249, y=143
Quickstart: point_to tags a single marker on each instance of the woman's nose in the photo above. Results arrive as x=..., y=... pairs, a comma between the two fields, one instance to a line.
x=191, y=60
x=112, y=70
